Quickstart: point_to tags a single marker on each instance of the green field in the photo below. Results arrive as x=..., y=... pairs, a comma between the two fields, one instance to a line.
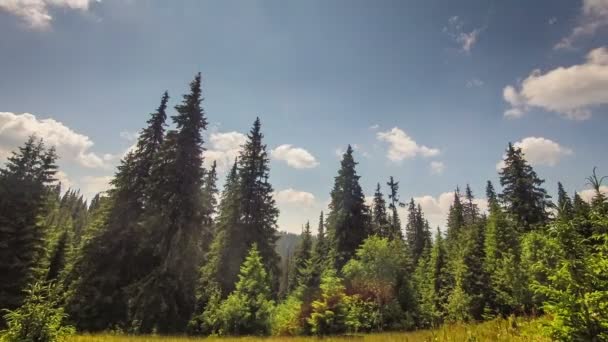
x=497, y=330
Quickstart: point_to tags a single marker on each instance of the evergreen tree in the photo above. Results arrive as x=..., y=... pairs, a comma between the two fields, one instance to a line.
x=301, y=259
x=247, y=309
x=470, y=211
x=522, y=194
x=114, y=257
x=24, y=181
x=379, y=215
x=417, y=231
x=348, y=216
x=491, y=194
x=393, y=196
x=164, y=299
x=455, y=218
x=564, y=204
x=209, y=200
x=258, y=211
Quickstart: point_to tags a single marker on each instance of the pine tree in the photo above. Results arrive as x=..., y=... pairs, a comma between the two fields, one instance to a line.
x=564, y=204
x=164, y=299
x=24, y=181
x=491, y=194
x=348, y=216
x=114, y=257
x=522, y=194
x=455, y=218
x=417, y=231
x=470, y=211
x=209, y=193
x=379, y=216
x=393, y=196
x=301, y=259
x=258, y=208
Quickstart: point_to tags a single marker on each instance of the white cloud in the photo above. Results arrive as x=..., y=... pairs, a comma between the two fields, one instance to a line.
x=569, y=91
x=552, y=21
x=475, y=82
x=594, y=17
x=374, y=127
x=540, y=151
x=295, y=157
x=294, y=197
x=92, y=185
x=63, y=179
x=401, y=146
x=225, y=147
x=437, y=167
x=129, y=136
x=36, y=13
x=71, y=146
x=436, y=209
x=466, y=40
x=588, y=194
x=339, y=151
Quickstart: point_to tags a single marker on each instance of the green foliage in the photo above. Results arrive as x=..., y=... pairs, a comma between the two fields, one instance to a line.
x=348, y=219
x=247, y=310
x=24, y=181
x=577, y=291
x=329, y=312
x=39, y=319
x=522, y=194
x=286, y=319
x=417, y=231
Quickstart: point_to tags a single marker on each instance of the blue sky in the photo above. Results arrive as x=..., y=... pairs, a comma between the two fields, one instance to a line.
x=429, y=92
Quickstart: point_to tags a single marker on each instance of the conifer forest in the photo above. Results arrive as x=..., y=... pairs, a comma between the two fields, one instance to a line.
x=169, y=251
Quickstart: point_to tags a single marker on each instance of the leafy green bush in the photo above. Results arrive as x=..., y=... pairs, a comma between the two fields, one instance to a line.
x=247, y=310
x=286, y=318
x=39, y=319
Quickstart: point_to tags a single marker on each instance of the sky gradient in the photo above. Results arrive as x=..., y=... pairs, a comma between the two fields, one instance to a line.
x=429, y=92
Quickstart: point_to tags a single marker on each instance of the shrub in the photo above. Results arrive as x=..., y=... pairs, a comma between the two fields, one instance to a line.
x=39, y=319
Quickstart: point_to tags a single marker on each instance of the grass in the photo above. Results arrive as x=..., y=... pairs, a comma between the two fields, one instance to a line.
x=497, y=330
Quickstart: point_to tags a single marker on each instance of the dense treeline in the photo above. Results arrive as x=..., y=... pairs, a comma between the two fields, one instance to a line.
x=165, y=251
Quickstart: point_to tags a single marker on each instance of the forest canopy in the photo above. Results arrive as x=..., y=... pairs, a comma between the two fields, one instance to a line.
x=167, y=251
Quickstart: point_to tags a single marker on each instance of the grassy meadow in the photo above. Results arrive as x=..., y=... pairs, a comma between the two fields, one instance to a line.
x=496, y=330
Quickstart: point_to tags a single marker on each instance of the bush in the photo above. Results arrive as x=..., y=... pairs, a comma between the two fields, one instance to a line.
x=39, y=319
x=286, y=319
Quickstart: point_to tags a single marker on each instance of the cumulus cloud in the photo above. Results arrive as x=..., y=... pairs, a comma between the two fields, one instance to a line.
x=593, y=17
x=588, y=194
x=295, y=157
x=436, y=209
x=294, y=197
x=437, y=167
x=224, y=148
x=71, y=146
x=92, y=185
x=473, y=83
x=466, y=40
x=402, y=146
x=36, y=13
x=569, y=91
x=540, y=151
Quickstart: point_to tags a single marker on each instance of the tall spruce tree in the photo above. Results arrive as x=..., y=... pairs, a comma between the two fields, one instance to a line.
x=258, y=208
x=379, y=215
x=522, y=194
x=164, y=299
x=24, y=185
x=301, y=260
x=455, y=218
x=470, y=211
x=417, y=231
x=114, y=258
x=564, y=204
x=393, y=196
x=209, y=194
x=348, y=216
